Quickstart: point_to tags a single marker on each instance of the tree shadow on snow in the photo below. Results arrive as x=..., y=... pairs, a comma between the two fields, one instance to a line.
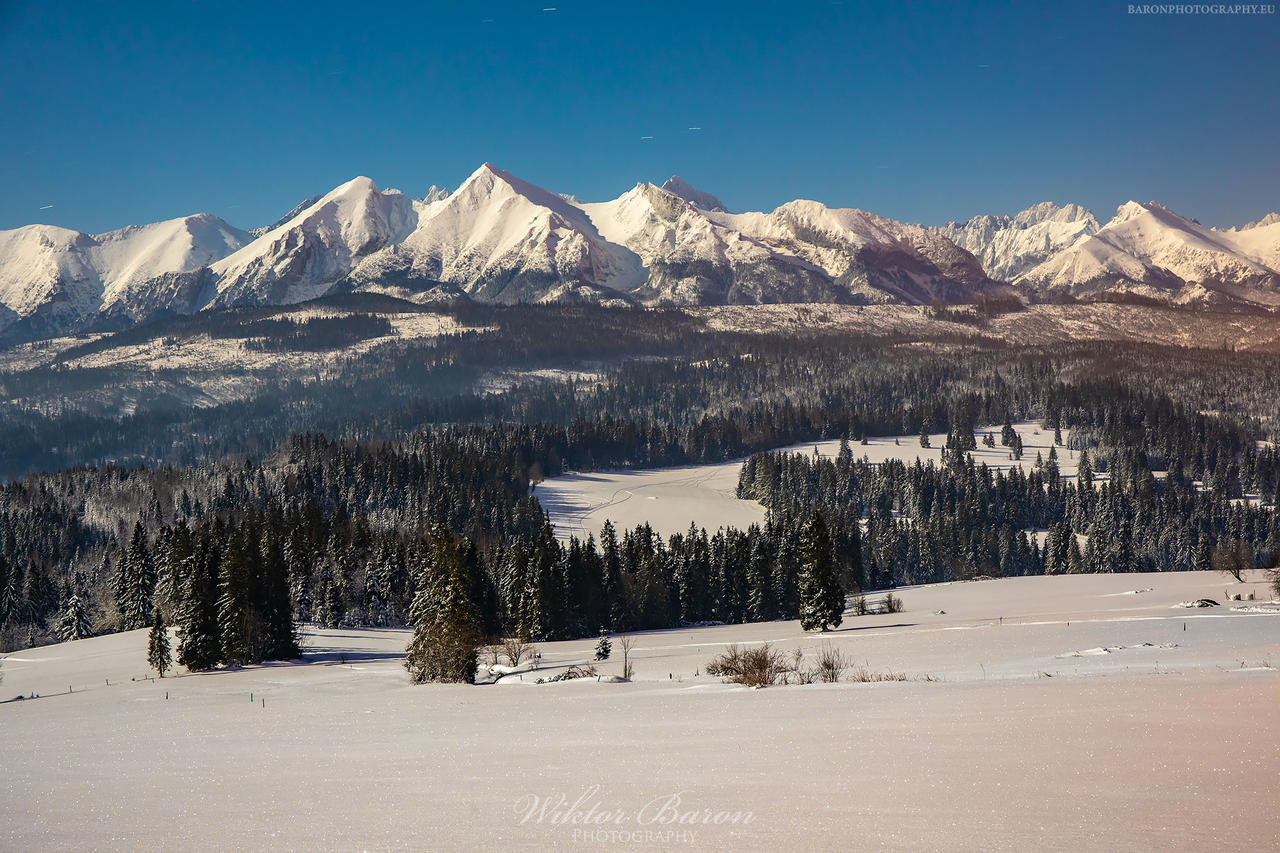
x=868, y=628
x=337, y=656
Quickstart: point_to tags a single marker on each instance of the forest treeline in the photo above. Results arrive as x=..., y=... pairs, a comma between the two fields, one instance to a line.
x=642, y=366
x=343, y=532
x=352, y=519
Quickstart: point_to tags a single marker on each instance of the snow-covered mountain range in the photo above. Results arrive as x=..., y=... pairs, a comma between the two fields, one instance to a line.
x=1146, y=251
x=498, y=238
x=52, y=279
x=1008, y=246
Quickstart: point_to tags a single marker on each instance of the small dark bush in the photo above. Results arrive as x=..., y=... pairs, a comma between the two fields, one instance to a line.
x=570, y=674
x=832, y=664
x=756, y=666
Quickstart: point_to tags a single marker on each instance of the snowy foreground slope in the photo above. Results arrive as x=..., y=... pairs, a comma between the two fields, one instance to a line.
x=1079, y=712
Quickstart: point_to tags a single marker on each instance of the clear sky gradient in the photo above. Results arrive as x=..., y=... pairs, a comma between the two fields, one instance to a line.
x=119, y=113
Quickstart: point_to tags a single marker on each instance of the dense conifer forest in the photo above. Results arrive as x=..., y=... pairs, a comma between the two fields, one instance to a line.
x=396, y=489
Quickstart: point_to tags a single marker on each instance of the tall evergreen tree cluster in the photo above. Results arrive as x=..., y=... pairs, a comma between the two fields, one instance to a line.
x=231, y=597
x=925, y=523
x=446, y=622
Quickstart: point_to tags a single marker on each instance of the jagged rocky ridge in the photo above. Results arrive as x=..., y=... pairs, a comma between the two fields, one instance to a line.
x=498, y=238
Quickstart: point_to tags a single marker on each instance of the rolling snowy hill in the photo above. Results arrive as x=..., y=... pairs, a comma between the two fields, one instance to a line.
x=690, y=258
x=871, y=258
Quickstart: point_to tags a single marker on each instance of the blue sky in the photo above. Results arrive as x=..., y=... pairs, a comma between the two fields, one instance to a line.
x=126, y=113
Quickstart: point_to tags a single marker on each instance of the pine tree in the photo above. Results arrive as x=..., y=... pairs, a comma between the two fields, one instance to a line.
x=1084, y=474
x=604, y=648
x=1204, y=555
x=446, y=636
x=821, y=596
x=611, y=577
x=75, y=623
x=548, y=606
x=280, y=641
x=759, y=584
x=237, y=624
x=137, y=586
x=158, y=655
x=199, y=642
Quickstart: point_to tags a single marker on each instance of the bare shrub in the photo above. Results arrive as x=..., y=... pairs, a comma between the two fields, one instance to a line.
x=891, y=604
x=831, y=664
x=862, y=675
x=517, y=649
x=627, y=669
x=860, y=606
x=755, y=666
x=800, y=675
x=570, y=674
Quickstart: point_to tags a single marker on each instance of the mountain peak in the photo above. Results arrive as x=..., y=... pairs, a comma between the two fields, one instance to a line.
x=1269, y=219
x=1048, y=211
x=434, y=194
x=1131, y=210
x=706, y=201
x=358, y=184
x=489, y=180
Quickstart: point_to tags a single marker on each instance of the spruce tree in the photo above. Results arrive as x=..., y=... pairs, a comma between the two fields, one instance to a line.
x=821, y=596
x=280, y=640
x=237, y=626
x=604, y=648
x=8, y=592
x=75, y=623
x=136, y=585
x=759, y=585
x=158, y=655
x=1084, y=474
x=199, y=643
x=611, y=578
x=446, y=627
x=1204, y=552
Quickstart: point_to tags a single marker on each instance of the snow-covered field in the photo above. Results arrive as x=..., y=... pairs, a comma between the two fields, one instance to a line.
x=670, y=498
x=1068, y=713
x=502, y=381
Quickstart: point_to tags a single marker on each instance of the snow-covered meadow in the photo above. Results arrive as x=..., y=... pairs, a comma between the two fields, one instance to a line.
x=1066, y=713
x=669, y=499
